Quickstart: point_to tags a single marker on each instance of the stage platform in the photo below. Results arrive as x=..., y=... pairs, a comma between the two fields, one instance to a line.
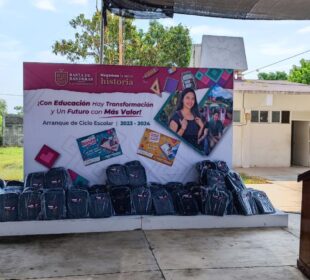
x=126, y=223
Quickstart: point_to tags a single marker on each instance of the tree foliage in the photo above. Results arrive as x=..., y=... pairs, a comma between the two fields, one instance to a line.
x=19, y=110
x=300, y=74
x=278, y=75
x=3, y=107
x=159, y=45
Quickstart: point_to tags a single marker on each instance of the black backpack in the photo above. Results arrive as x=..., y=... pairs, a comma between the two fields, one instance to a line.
x=100, y=205
x=205, y=164
x=77, y=203
x=57, y=178
x=117, y=175
x=29, y=205
x=234, y=182
x=245, y=203
x=198, y=193
x=162, y=202
x=211, y=177
x=136, y=174
x=216, y=202
x=221, y=166
x=14, y=183
x=35, y=180
x=8, y=206
x=53, y=204
x=173, y=188
x=121, y=200
x=186, y=203
x=263, y=203
x=142, y=201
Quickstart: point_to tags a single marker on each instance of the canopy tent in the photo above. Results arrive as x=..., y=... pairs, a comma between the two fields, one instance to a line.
x=237, y=9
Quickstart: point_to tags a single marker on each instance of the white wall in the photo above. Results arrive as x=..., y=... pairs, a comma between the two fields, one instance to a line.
x=266, y=144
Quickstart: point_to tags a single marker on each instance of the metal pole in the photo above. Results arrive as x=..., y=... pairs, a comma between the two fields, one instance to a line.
x=101, y=56
x=120, y=41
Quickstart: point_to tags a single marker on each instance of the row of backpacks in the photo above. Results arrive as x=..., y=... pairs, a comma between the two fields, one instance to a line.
x=51, y=195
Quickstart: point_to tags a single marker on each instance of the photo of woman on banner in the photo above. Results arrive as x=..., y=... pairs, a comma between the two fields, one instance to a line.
x=187, y=122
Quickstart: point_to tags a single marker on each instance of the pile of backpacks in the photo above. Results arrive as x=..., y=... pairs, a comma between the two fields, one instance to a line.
x=223, y=192
x=51, y=195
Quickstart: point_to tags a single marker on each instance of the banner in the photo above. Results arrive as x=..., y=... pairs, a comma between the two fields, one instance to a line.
x=87, y=117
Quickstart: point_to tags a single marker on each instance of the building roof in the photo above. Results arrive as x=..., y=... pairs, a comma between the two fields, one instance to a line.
x=11, y=119
x=264, y=86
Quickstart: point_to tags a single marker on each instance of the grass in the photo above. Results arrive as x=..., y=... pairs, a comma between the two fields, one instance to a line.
x=12, y=167
x=253, y=179
x=11, y=163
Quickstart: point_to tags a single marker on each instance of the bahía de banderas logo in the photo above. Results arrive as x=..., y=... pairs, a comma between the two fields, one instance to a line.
x=61, y=77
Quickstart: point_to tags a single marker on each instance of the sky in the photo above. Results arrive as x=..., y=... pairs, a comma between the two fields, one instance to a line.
x=28, y=29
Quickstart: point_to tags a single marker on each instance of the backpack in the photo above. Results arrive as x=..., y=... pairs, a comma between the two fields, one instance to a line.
x=77, y=203
x=162, y=202
x=121, y=200
x=234, y=182
x=198, y=193
x=53, y=204
x=117, y=175
x=100, y=205
x=29, y=205
x=136, y=174
x=262, y=202
x=205, y=164
x=245, y=203
x=57, y=178
x=186, y=203
x=211, y=177
x=8, y=206
x=216, y=202
x=35, y=180
x=14, y=183
x=173, y=188
x=221, y=166
x=142, y=201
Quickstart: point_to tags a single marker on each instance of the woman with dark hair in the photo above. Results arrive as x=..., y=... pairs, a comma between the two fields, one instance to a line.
x=186, y=121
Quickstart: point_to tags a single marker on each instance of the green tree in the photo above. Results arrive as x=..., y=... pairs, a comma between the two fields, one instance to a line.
x=3, y=107
x=165, y=46
x=19, y=110
x=160, y=45
x=278, y=75
x=300, y=74
x=3, y=111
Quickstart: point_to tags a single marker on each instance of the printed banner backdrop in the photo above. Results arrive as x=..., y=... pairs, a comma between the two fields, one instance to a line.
x=86, y=117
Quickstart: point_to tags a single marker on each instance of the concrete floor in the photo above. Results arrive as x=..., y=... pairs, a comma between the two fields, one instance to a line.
x=164, y=254
x=284, y=191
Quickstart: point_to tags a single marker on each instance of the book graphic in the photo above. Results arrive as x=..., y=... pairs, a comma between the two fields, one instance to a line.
x=158, y=147
x=99, y=146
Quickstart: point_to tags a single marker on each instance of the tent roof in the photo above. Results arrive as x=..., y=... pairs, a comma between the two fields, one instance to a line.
x=237, y=9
